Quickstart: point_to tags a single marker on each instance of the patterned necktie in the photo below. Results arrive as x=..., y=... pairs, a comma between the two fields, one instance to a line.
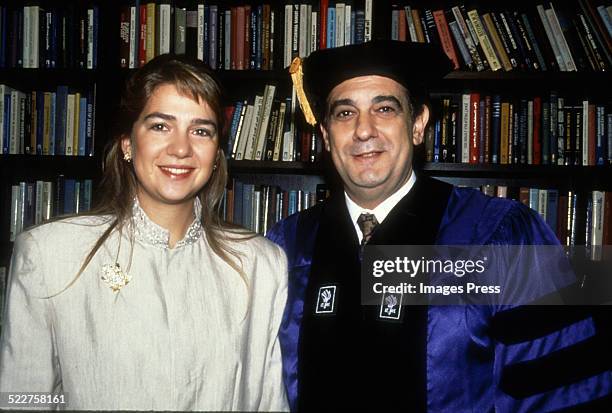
x=367, y=223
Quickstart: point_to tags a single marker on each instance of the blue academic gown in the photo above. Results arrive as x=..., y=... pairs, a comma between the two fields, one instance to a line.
x=475, y=358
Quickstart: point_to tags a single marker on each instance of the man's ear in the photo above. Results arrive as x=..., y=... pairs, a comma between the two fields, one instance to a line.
x=325, y=137
x=418, y=128
x=126, y=145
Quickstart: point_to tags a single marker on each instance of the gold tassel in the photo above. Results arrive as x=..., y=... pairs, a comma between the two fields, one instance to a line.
x=297, y=77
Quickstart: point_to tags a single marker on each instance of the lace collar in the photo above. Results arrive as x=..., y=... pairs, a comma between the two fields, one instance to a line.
x=150, y=233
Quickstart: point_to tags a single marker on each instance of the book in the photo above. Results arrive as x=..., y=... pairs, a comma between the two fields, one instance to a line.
x=322, y=24
x=191, y=33
x=606, y=18
x=21, y=207
x=4, y=118
x=552, y=208
x=497, y=43
x=46, y=129
x=69, y=204
x=601, y=35
x=271, y=132
x=15, y=212
x=429, y=27
x=566, y=55
x=268, y=98
x=348, y=23
x=529, y=132
x=474, y=128
x=150, y=36
x=588, y=43
x=331, y=27
x=70, y=122
x=234, y=122
x=552, y=39
x=134, y=35
x=465, y=128
x=418, y=27
x=82, y=125
x=13, y=144
x=287, y=57
x=251, y=141
x=46, y=201
x=278, y=139
x=288, y=132
x=266, y=31
x=180, y=30
x=212, y=36
x=484, y=40
x=247, y=206
x=228, y=37
x=244, y=132
x=536, y=129
x=77, y=123
x=525, y=45
x=368, y=21
x=37, y=131
x=578, y=50
x=124, y=36
x=314, y=31
x=597, y=225
x=340, y=29
x=92, y=36
x=240, y=111
x=461, y=45
x=542, y=203
x=52, y=125
x=495, y=128
x=410, y=24
x=445, y=37
x=533, y=42
x=486, y=129
x=470, y=41
x=200, y=30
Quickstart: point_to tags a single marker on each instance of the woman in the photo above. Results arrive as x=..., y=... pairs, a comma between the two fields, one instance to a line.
x=150, y=302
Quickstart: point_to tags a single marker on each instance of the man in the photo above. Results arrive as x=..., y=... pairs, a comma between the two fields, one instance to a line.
x=339, y=354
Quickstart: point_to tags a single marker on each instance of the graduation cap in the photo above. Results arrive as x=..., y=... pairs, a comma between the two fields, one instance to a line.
x=412, y=65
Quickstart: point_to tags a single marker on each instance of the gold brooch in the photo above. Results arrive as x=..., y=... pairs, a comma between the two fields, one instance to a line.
x=113, y=275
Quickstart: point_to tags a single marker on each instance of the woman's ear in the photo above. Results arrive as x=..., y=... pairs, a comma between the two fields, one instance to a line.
x=126, y=147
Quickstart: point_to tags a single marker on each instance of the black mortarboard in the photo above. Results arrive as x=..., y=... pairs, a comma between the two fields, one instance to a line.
x=413, y=65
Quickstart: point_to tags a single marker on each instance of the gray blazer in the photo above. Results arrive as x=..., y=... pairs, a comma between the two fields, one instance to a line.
x=186, y=333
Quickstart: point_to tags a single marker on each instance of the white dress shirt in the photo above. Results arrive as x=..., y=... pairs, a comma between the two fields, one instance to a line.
x=383, y=209
x=186, y=333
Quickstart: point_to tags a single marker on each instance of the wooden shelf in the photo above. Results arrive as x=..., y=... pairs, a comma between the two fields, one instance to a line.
x=515, y=168
x=518, y=75
x=278, y=167
x=542, y=176
x=32, y=167
x=276, y=74
x=269, y=75
x=591, y=84
x=32, y=79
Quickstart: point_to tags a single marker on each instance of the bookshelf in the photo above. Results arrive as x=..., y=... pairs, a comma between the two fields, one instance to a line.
x=108, y=75
x=69, y=54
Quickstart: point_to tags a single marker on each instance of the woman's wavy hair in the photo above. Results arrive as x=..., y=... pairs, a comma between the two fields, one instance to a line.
x=118, y=186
